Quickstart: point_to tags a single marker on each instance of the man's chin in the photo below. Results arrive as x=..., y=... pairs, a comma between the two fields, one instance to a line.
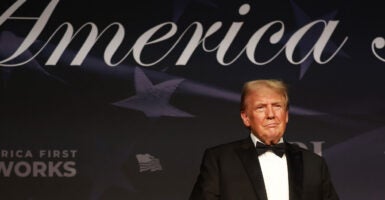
x=273, y=138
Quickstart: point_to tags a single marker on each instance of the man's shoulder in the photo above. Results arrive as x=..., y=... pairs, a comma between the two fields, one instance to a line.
x=305, y=152
x=229, y=145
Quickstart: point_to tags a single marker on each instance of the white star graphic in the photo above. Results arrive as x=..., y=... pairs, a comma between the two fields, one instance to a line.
x=153, y=100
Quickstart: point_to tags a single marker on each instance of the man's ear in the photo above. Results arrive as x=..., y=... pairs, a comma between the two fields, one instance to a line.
x=245, y=118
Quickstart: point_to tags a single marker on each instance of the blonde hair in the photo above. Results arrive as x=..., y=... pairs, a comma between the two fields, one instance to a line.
x=274, y=84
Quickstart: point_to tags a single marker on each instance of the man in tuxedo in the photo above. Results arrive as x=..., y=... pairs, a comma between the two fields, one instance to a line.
x=263, y=166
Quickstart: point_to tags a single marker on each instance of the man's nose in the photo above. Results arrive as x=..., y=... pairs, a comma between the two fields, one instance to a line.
x=270, y=112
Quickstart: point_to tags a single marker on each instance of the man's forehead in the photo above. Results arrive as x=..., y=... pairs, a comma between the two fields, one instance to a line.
x=264, y=98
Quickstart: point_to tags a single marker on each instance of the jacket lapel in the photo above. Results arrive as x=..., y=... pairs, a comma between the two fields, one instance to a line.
x=295, y=171
x=248, y=155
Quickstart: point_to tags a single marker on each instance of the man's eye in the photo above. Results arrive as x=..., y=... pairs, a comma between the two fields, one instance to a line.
x=259, y=108
x=278, y=106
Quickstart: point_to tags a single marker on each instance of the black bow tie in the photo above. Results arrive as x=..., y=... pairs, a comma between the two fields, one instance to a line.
x=278, y=149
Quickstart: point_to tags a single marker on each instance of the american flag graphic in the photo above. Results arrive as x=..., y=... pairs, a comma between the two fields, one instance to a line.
x=148, y=162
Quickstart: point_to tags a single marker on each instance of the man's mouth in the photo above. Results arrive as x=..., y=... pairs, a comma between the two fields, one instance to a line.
x=271, y=125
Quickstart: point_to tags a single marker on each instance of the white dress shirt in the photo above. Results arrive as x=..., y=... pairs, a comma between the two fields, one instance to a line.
x=275, y=176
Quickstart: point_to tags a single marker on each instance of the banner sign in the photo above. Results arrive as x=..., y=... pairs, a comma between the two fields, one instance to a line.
x=114, y=100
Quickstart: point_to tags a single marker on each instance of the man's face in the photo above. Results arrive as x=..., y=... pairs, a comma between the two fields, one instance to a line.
x=265, y=114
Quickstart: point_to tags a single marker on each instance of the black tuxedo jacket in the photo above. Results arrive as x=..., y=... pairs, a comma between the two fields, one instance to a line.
x=232, y=172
